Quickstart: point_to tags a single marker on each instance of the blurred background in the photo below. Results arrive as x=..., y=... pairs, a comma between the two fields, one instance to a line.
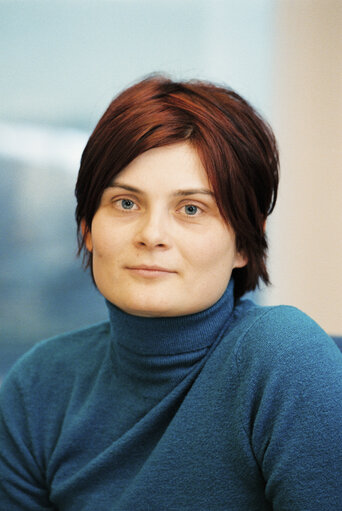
x=62, y=62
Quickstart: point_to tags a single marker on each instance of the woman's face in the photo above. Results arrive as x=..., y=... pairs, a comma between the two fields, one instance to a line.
x=159, y=244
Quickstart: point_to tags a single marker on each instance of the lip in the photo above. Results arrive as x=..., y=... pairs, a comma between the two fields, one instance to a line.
x=150, y=271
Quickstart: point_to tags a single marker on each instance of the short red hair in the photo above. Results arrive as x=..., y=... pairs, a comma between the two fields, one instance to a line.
x=236, y=146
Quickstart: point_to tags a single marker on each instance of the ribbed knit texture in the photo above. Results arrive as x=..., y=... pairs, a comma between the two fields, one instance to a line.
x=234, y=408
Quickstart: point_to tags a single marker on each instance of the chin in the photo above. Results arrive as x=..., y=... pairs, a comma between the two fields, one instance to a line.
x=150, y=312
x=149, y=308
x=154, y=304
x=159, y=311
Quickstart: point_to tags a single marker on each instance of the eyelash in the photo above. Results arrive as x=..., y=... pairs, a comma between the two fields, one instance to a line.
x=119, y=204
x=191, y=205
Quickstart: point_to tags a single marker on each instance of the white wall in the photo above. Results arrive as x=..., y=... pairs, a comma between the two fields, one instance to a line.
x=306, y=228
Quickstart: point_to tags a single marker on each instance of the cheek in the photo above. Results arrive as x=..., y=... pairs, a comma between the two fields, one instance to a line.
x=105, y=240
x=107, y=259
x=211, y=251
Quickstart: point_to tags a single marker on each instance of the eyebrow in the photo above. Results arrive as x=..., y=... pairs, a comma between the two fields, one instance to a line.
x=177, y=193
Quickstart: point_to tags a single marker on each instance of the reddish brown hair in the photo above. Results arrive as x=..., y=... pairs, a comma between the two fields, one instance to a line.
x=236, y=146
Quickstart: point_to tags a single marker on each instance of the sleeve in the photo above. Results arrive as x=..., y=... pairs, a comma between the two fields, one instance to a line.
x=295, y=415
x=22, y=485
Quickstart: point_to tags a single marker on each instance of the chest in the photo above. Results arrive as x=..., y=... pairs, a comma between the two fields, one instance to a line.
x=187, y=451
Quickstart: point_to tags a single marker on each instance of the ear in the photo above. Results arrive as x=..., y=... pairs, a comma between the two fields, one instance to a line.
x=240, y=260
x=86, y=236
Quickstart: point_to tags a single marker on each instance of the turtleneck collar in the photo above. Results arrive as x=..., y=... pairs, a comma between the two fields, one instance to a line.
x=171, y=335
x=152, y=356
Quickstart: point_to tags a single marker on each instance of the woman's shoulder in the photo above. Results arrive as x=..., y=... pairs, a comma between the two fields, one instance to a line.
x=75, y=342
x=62, y=355
x=280, y=335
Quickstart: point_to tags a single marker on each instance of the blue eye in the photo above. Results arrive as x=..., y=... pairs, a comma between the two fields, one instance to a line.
x=127, y=203
x=190, y=209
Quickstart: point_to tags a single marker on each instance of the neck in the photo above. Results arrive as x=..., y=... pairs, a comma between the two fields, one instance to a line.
x=159, y=352
x=171, y=335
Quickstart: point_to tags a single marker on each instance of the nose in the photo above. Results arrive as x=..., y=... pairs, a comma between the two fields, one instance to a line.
x=153, y=231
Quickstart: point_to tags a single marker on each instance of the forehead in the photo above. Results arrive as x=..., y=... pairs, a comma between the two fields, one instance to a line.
x=174, y=166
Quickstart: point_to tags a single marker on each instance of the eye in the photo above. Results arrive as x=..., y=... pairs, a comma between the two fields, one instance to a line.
x=191, y=209
x=125, y=204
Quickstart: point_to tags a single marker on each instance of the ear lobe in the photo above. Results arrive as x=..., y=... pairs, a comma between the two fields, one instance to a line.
x=86, y=236
x=240, y=260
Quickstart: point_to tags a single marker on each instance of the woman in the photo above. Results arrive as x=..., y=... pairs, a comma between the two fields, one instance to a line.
x=189, y=397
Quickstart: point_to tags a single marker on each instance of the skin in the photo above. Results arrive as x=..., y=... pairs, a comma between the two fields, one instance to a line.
x=159, y=244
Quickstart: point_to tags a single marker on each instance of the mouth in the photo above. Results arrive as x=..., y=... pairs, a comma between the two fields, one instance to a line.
x=150, y=271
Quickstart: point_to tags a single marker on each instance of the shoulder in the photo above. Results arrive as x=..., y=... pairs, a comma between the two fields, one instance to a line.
x=284, y=339
x=279, y=325
x=70, y=344
x=62, y=356
x=285, y=326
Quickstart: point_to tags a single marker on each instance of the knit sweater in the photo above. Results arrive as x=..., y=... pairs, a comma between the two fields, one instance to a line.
x=236, y=408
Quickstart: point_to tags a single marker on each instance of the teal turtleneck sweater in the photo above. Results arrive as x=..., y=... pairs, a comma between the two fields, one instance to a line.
x=236, y=408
